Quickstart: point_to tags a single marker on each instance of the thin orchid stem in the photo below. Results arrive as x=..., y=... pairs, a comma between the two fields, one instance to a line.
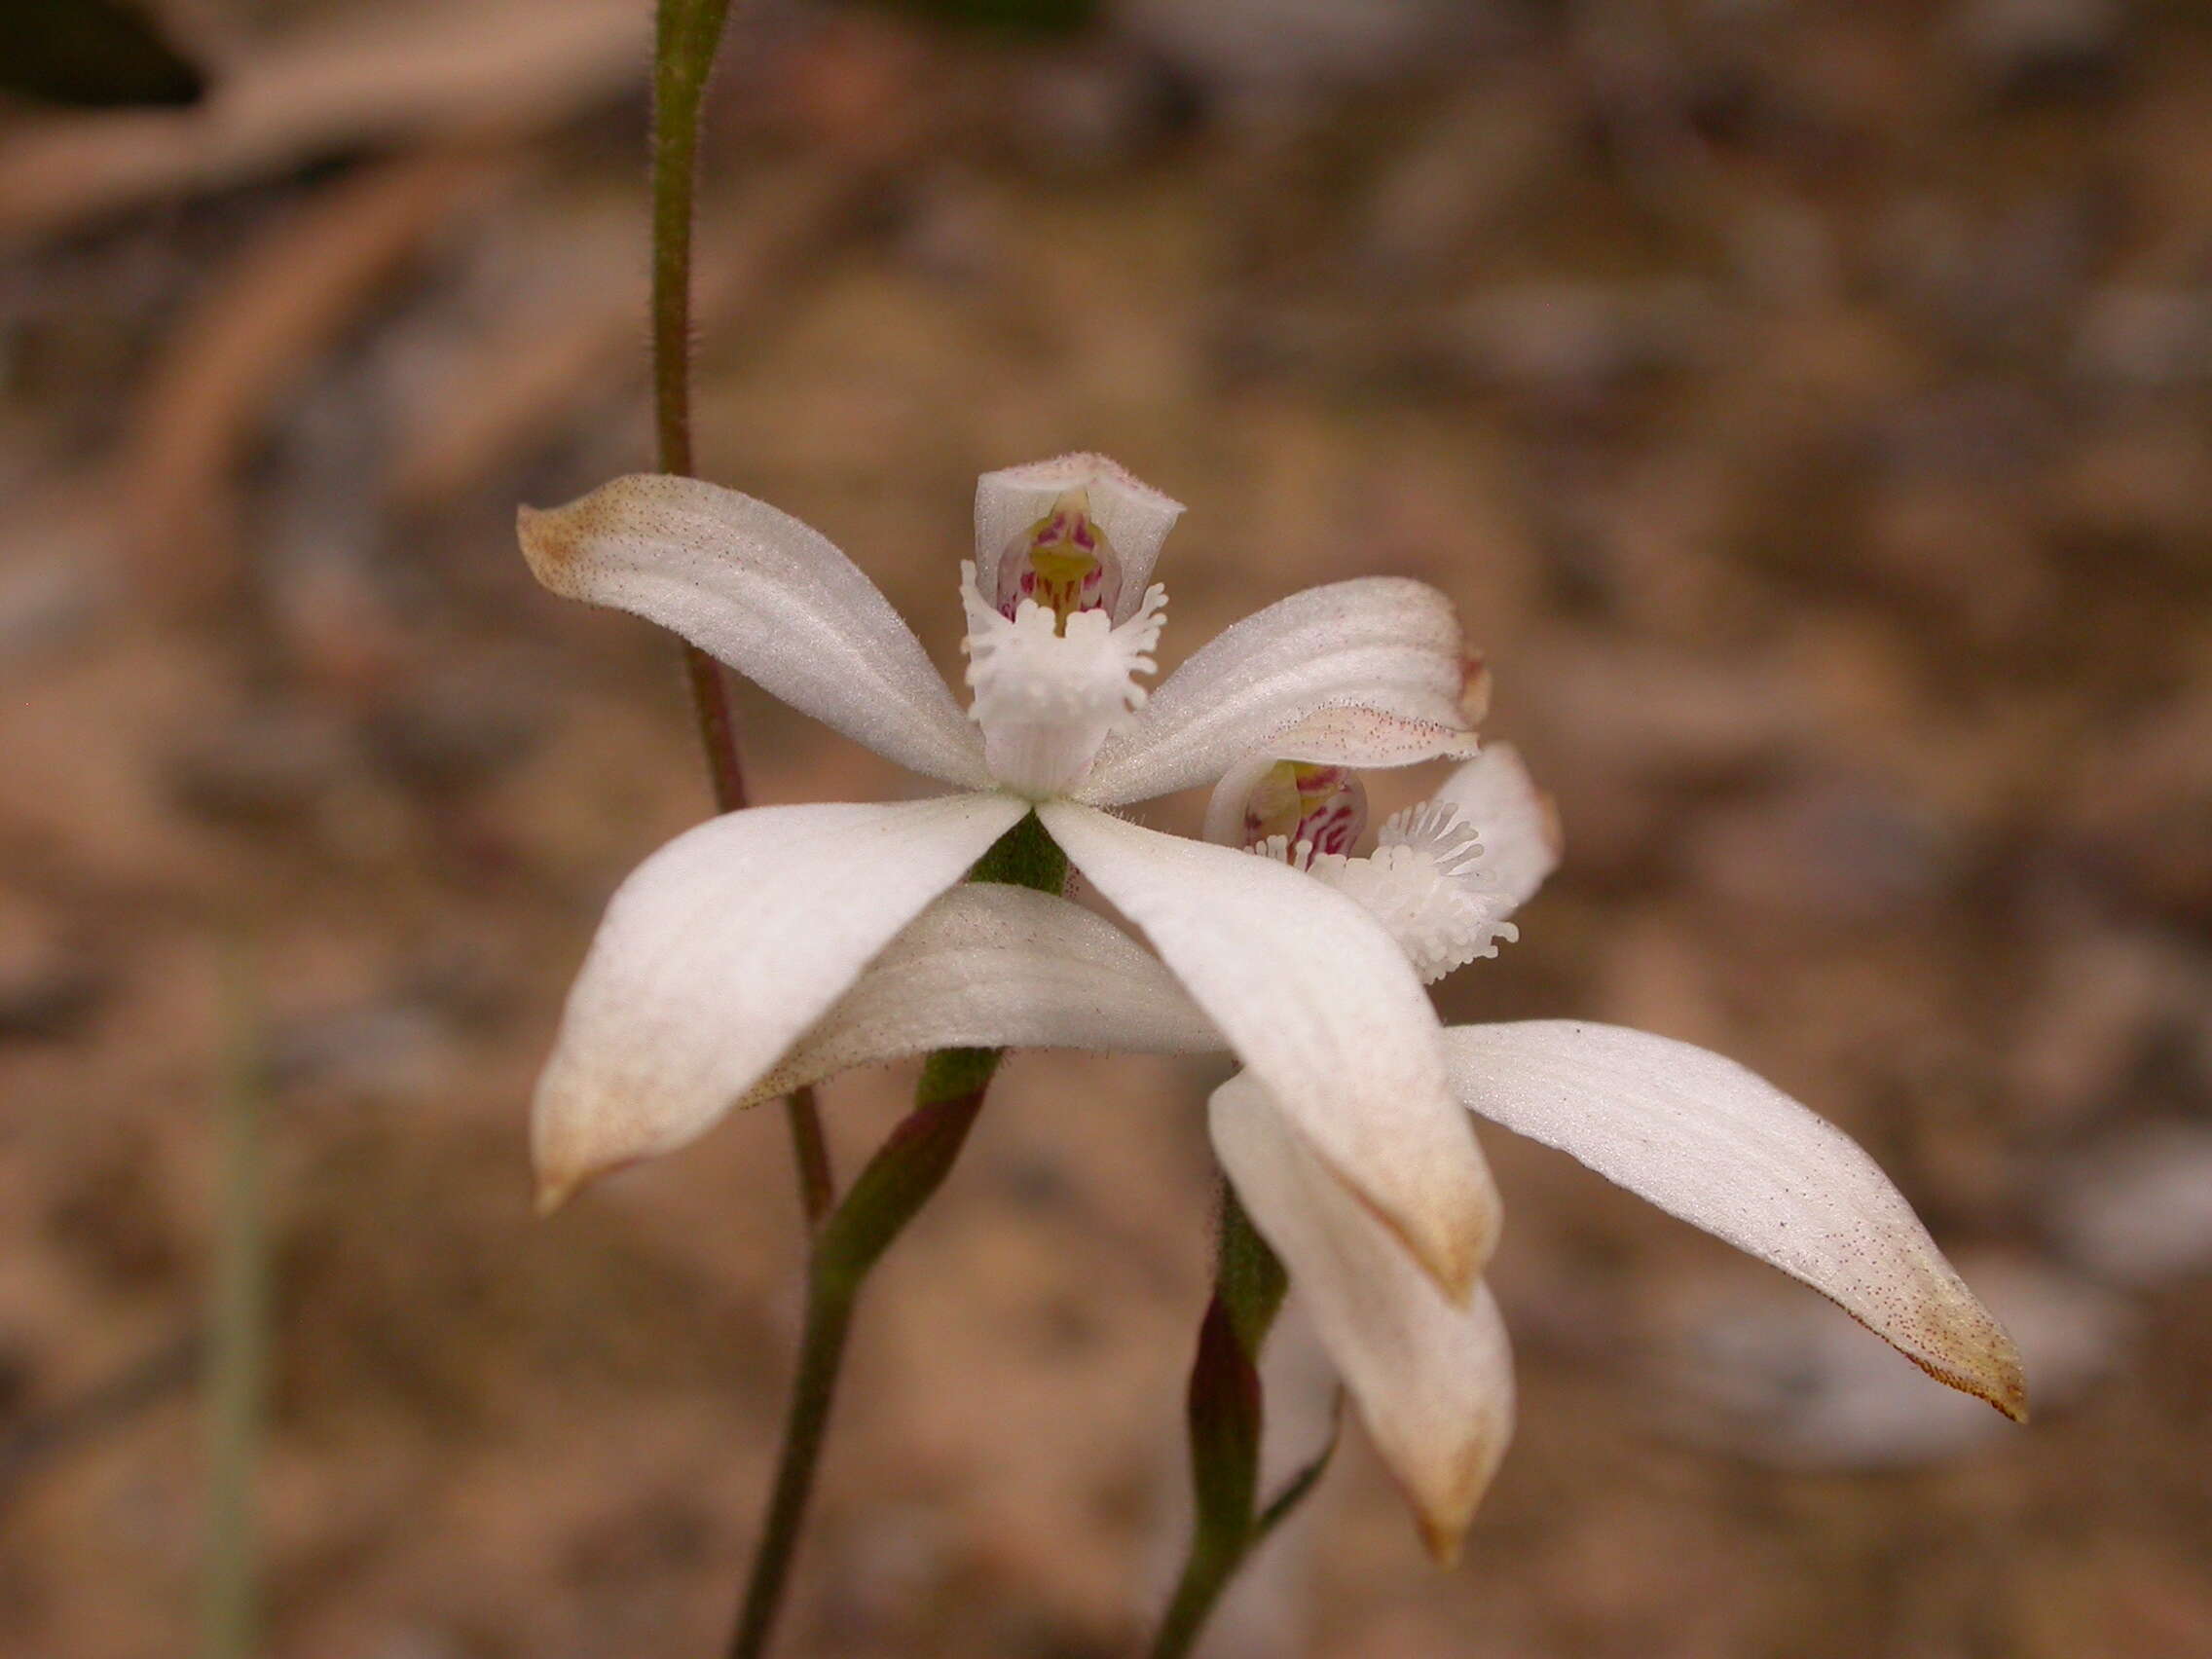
x=888, y=1193
x=810, y=1151
x=1227, y=1413
x=686, y=33
x=895, y=1185
x=717, y=729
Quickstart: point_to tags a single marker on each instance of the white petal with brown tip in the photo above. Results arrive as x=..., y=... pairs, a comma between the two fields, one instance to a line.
x=1708, y=1141
x=1433, y=1380
x=767, y=594
x=718, y=952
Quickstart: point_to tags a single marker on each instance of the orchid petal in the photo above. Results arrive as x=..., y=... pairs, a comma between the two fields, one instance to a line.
x=1135, y=517
x=990, y=966
x=718, y=952
x=1322, y=1008
x=767, y=594
x=1364, y=672
x=1705, y=1140
x=1514, y=820
x=1433, y=1382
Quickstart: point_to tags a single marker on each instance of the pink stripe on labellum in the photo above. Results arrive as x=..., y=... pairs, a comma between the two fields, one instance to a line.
x=1323, y=806
x=1063, y=562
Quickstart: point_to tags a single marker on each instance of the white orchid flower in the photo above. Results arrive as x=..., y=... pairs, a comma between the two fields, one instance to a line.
x=1694, y=1133
x=718, y=957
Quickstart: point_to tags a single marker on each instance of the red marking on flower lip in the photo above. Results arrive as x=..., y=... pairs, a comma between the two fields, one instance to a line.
x=1333, y=828
x=1324, y=806
x=1063, y=562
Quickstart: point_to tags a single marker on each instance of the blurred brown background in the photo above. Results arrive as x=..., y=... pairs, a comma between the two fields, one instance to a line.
x=1807, y=404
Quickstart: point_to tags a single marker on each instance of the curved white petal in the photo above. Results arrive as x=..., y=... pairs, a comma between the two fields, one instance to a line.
x=1433, y=1382
x=1322, y=1008
x=990, y=966
x=1705, y=1140
x=767, y=594
x=718, y=952
x=1513, y=819
x=1364, y=672
x=1135, y=517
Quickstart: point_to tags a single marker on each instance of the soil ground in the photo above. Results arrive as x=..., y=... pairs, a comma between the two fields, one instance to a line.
x=1808, y=407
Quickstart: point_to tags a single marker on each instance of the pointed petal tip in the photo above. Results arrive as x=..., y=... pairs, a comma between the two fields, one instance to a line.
x=560, y=1181
x=1445, y=1492
x=570, y=1149
x=1451, y=1244
x=1451, y=1257
x=1992, y=1370
x=1441, y=1539
x=549, y=545
x=1999, y=1378
x=1455, y=1261
x=1969, y=1351
x=1450, y=1251
x=1445, y=1495
x=2002, y=1385
x=1447, y=1246
x=554, y=1192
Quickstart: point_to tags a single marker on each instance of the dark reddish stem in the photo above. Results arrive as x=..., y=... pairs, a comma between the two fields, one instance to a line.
x=687, y=32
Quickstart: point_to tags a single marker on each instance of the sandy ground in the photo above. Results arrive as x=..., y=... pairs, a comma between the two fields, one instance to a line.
x=1807, y=406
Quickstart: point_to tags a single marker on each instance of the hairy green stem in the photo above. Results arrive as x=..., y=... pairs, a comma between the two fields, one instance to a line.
x=1227, y=1414
x=810, y=1151
x=686, y=33
x=1224, y=1413
x=888, y=1193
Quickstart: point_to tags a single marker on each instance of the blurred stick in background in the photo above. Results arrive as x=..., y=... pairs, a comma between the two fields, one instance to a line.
x=366, y=79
